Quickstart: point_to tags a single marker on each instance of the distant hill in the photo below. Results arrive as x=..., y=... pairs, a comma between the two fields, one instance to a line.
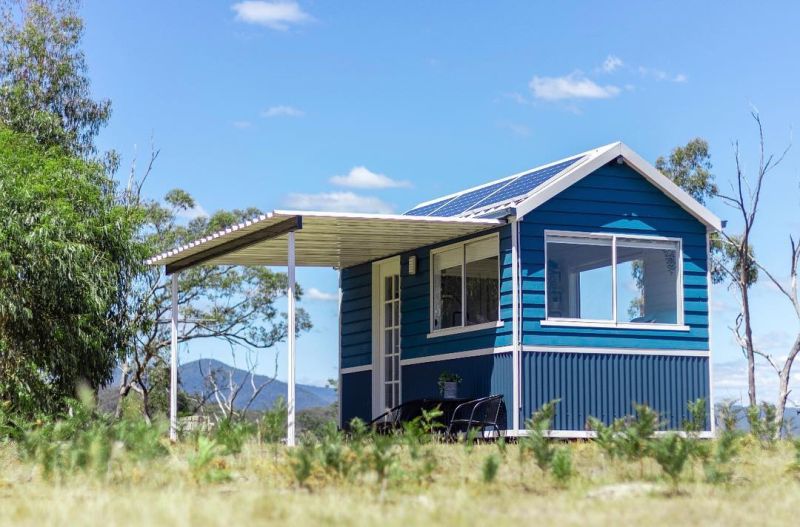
x=192, y=382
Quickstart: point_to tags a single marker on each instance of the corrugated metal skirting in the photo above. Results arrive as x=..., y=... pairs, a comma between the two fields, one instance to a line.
x=606, y=386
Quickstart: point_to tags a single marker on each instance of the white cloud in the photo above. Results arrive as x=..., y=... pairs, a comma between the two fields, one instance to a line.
x=661, y=75
x=282, y=111
x=338, y=202
x=516, y=97
x=362, y=177
x=312, y=293
x=274, y=15
x=572, y=86
x=515, y=128
x=611, y=64
x=191, y=214
x=242, y=124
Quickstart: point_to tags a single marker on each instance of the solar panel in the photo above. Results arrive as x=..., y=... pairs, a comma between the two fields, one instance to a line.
x=425, y=210
x=498, y=192
x=525, y=183
x=465, y=201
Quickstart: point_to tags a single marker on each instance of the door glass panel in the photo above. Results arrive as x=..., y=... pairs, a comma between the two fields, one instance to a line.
x=388, y=395
x=388, y=288
x=388, y=308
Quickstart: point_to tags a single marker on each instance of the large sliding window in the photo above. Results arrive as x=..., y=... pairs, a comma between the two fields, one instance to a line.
x=465, y=282
x=613, y=279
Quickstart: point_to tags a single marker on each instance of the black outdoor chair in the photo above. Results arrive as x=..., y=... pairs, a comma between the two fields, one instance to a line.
x=481, y=415
x=393, y=419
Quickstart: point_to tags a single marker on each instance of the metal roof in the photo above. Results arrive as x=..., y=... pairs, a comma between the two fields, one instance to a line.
x=322, y=239
x=496, y=194
x=519, y=194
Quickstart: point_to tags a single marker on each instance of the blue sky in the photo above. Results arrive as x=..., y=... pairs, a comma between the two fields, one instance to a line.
x=264, y=104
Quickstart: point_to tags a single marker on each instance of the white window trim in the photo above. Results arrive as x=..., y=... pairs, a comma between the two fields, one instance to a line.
x=614, y=323
x=463, y=328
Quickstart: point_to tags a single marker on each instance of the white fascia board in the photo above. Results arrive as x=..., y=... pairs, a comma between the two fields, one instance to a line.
x=388, y=217
x=632, y=159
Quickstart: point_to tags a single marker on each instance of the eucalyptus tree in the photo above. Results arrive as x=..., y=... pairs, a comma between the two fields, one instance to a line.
x=66, y=252
x=44, y=84
x=234, y=306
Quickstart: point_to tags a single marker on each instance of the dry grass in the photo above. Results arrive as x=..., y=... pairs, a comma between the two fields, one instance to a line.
x=261, y=491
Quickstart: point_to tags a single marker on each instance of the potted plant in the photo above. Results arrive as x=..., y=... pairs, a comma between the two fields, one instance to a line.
x=448, y=384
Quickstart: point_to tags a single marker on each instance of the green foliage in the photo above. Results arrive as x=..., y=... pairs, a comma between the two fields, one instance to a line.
x=301, y=460
x=718, y=467
x=231, y=434
x=689, y=167
x=671, y=453
x=795, y=466
x=44, y=88
x=447, y=376
x=536, y=441
x=205, y=463
x=65, y=249
x=272, y=426
x=562, y=466
x=763, y=424
x=490, y=467
x=634, y=437
x=87, y=442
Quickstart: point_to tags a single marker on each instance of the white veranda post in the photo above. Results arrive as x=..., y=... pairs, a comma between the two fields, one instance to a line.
x=291, y=344
x=173, y=363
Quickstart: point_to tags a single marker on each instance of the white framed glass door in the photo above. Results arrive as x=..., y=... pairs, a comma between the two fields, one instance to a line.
x=386, y=355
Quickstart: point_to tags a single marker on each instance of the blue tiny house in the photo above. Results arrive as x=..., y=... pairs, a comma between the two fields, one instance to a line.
x=594, y=290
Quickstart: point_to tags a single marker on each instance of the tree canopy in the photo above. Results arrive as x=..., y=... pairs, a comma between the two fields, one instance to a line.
x=44, y=84
x=65, y=252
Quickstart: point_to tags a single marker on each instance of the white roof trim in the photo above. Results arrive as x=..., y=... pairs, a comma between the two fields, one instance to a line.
x=605, y=155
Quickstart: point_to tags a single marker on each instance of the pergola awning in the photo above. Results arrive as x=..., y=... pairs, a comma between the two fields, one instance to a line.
x=322, y=239
x=312, y=239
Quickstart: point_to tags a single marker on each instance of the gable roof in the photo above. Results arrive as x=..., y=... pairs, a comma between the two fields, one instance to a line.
x=521, y=193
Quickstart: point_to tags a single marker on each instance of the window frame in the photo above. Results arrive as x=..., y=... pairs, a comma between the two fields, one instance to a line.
x=433, y=332
x=679, y=325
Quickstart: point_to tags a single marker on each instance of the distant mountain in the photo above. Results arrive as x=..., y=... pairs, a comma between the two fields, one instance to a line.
x=307, y=396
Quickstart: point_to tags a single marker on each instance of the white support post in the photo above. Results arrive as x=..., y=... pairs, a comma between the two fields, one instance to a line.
x=173, y=363
x=290, y=439
x=515, y=333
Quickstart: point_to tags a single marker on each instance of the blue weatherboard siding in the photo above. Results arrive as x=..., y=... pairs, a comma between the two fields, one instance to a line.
x=356, y=316
x=356, y=396
x=415, y=308
x=481, y=376
x=614, y=199
x=606, y=386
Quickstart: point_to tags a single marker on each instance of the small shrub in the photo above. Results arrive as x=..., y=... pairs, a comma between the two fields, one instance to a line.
x=205, y=464
x=231, y=434
x=490, y=467
x=635, y=436
x=671, y=453
x=718, y=467
x=301, y=461
x=607, y=436
x=536, y=441
x=562, y=466
x=272, y=426
x=763, y=423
